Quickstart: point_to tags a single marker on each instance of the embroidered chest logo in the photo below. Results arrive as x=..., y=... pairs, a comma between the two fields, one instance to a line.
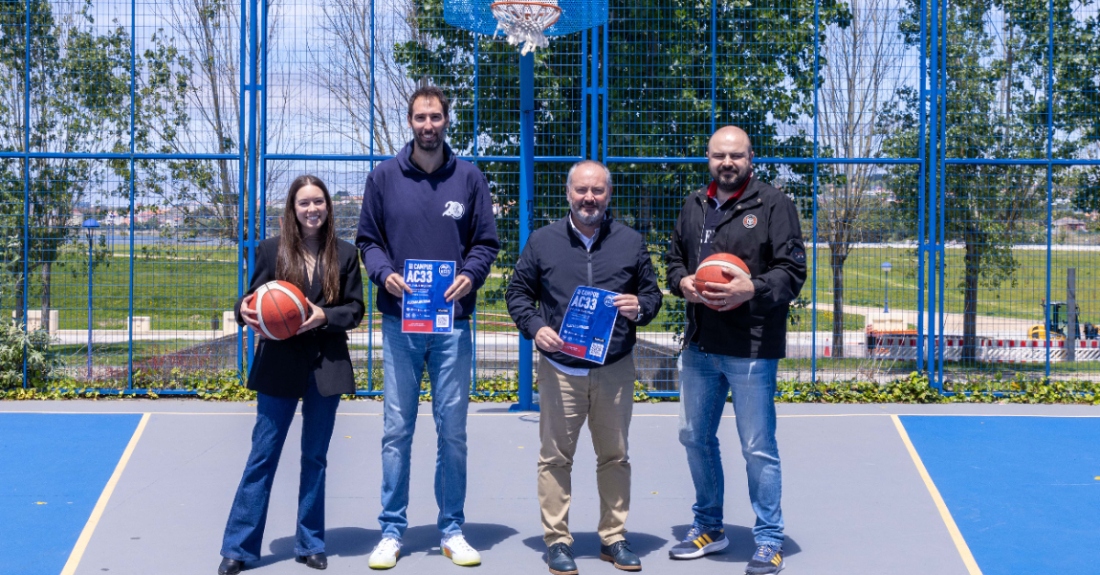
x=454, y=210
x=750, y=221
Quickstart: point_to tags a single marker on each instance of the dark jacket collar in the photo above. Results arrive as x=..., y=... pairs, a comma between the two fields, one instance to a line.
x=409, y=167
x=752, y=189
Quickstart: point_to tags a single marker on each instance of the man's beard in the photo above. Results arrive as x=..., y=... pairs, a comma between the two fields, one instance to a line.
x=428, y=146
x=588, y=220
x=734, y=183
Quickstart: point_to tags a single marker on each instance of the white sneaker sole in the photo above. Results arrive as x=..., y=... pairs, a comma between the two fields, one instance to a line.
x=461, y=562
x=704, y=550
x=380, y=565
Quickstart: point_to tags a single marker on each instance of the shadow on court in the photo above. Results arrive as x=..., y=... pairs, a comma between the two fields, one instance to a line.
x=742, y=545
x=587, y=544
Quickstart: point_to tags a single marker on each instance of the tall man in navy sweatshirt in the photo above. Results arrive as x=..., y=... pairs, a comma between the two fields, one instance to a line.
x=426, y=204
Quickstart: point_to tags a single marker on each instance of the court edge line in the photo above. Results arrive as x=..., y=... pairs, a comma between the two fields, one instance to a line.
x=101, y=505
x=941, y=506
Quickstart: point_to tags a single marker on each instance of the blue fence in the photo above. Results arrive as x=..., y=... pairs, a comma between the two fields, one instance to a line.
x=944, y=156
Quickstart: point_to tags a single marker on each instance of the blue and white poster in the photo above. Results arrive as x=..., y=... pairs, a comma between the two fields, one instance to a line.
x=588, y=324
x=425, y=310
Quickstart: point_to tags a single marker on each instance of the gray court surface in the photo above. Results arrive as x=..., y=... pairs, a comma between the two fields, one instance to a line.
x=853, y=500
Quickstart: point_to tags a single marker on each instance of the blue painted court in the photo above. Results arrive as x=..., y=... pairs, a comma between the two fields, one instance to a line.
x=53, y=468
x=1022, y=483
x=1024, y=491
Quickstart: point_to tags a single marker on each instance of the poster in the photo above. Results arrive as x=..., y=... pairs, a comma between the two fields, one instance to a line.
x=425, y=310
x=588, y=324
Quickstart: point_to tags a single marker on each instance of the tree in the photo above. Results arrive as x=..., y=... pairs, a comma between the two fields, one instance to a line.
x=996, y=108
x=78, y=103
x=343, y=65
x=861, y=53
x=193, y=79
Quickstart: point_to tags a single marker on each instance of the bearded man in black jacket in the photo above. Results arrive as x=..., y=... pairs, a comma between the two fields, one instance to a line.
x=736, y=334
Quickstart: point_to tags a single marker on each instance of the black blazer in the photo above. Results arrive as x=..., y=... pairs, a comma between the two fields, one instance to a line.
x=282, y=368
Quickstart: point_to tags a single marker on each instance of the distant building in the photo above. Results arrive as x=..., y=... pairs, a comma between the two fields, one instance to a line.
x=1070, y=225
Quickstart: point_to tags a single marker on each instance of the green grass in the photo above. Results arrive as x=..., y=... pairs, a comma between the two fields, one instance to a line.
x=189, y=288
x=1019, y=297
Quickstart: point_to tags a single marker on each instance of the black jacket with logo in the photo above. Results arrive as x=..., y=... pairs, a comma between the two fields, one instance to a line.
x=282, y=368
x=762, y=229
x=554, y=263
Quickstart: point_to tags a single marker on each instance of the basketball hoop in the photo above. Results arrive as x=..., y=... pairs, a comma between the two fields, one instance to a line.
x=525, y=22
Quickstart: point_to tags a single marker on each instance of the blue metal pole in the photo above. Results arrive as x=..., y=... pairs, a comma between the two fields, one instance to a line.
x=262, y=142
x=921, y=192
x=813, y=279
x=27, y=181
x=133, y=116
x=933, y=184
x=477, y=86
x=1050, y=172
x=941, y=273
x=90, y=271
x=714, y=64
x=593, y=93
x=584, y=92
x=370, y=285
x=526, y=200
x=605, y=90
x=244, y=342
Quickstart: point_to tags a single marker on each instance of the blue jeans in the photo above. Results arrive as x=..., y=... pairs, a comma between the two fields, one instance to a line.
x=448, y=358
x=245, y=530
x=705, y=380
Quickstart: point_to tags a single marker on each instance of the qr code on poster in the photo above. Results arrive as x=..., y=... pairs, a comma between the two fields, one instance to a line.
x=443, y=320
x=597, y=349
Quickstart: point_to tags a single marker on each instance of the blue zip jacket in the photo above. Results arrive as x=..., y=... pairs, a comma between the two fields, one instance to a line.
x=410, y=214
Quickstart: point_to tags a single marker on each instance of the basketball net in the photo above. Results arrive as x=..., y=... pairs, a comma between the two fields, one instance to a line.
x=526, y=22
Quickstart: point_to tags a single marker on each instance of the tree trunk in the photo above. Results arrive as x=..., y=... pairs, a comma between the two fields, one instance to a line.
x=47, y=273
x=19, y=301
x=970, y=303
x=836, y=262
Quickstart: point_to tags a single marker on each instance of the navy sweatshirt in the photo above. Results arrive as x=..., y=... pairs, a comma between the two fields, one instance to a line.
x=410, y=214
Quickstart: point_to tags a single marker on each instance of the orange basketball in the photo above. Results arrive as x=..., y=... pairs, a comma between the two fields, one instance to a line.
x=719, y=268
x=281, y=308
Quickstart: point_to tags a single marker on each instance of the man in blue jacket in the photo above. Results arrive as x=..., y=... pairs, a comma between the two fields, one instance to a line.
x=585, y=248
x=426, y=204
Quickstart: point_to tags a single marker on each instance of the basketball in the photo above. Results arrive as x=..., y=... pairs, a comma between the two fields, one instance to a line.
x=719, y=268
x=281, y=309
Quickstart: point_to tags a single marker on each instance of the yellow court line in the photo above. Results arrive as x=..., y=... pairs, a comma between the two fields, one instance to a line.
x=945, y=513
x=101, y=505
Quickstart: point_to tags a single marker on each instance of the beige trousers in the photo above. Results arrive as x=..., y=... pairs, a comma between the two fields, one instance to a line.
x=606, y=398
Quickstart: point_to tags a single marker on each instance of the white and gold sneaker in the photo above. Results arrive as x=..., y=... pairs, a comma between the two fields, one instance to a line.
x=460, y=551
x=385, y=554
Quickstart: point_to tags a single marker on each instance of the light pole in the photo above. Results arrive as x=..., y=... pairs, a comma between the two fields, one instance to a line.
x=886, y=286
x=90, y=224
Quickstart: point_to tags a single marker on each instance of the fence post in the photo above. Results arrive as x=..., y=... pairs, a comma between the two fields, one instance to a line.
x=526, y=201
x=1071, y=319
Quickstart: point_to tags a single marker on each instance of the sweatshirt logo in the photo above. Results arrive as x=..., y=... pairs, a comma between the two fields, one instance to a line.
x=454, y=210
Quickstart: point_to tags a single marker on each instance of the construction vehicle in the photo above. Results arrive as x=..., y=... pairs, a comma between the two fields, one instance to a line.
x=1059, y=317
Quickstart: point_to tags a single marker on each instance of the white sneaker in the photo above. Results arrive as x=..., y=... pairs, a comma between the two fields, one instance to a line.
x=385, y=553
x=460, y=551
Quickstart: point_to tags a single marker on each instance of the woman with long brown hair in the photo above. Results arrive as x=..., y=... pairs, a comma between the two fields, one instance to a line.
x=313, y=366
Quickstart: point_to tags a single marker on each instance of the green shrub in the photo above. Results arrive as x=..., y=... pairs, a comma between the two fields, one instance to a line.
x=40, y=365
